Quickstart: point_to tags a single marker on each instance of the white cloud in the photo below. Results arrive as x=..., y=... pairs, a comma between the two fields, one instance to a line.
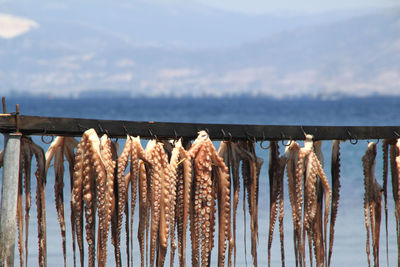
x=125, y=63
x=12, y=26
x=120, y=78
x=176, y=73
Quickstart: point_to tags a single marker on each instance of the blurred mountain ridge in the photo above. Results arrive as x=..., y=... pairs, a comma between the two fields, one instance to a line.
x=140, y=49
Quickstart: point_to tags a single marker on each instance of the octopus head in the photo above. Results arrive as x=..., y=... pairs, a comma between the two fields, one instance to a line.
x=308, y=143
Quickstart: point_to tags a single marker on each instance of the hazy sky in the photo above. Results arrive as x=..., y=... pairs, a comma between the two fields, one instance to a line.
x=301, y=6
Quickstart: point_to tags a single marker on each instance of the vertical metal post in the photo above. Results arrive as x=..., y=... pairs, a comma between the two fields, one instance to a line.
x=9, y=194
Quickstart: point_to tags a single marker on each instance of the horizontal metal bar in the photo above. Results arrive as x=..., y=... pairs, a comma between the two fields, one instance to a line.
x=34, y=125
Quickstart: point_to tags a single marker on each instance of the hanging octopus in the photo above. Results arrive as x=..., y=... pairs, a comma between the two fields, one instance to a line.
x=183, y=202
x=232, y=156
x=131, y=152
x=335, y=173
x=251, y=167
x=60, y=147
x=276, y=173
x=109, y=162
x=28, y=150
x=292, y=154
x=372, y=202
x=176, y=171
x=92, y=190
x=122, y=184
x=160, y=180
x=316, y=188
x=395, y=170
x=235, y=155
x=205, y=157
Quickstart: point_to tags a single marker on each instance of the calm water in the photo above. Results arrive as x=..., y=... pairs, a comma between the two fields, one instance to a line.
x=349, y=247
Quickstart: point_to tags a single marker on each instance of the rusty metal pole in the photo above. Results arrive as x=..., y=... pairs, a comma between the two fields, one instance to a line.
x=9, y=194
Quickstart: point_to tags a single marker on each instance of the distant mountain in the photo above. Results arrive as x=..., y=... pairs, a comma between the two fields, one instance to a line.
x=137, y=49
x=142, y=22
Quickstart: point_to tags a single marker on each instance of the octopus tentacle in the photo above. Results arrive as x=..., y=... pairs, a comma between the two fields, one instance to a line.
x=89, y=194
x=291, y=153
x=301, y=165
x=327, y=193
x=165, y=205
x=310, y=202
x=372, y=201
x=179, y=212
x=153, y=151
x=142, y=209
x=246, y=176
x=27, y=160
x=77, y=197
x=224, y=209
x=280, y=176
x=225, y=151
x=109, y=162
x=40, y=201
x=56, y=150
x=395, y=170
x=335, y=173
x=385, y=150
x=235, y=161
x=276, y=172
x=121, y=166
x=251, y=167
x=69, y=146
x=126, y=212
x=114, y=202
x=174, y=160
x=183, y=200
x=137, y=152
x=273, y=193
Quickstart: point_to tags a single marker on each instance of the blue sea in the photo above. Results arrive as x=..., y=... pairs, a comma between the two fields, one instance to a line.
x=350, y=234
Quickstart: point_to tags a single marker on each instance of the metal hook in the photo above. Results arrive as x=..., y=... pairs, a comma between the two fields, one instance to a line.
x=352, y=138
x=283, y=138
x=262, y=141
x=101, y=128
x=153, y=136
x=224, y=136
x=250, y=138
x=176, y=138
x=263, y=147
x=289, y=143
x=304, y=132
x=176, y=135
x=107, y=133
x=377, y=142
x=125, y=130
x=44, y=141
x=82, y=128
x=230, y=137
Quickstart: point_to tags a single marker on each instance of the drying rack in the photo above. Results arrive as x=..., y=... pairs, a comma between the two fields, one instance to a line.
x=14, y=125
